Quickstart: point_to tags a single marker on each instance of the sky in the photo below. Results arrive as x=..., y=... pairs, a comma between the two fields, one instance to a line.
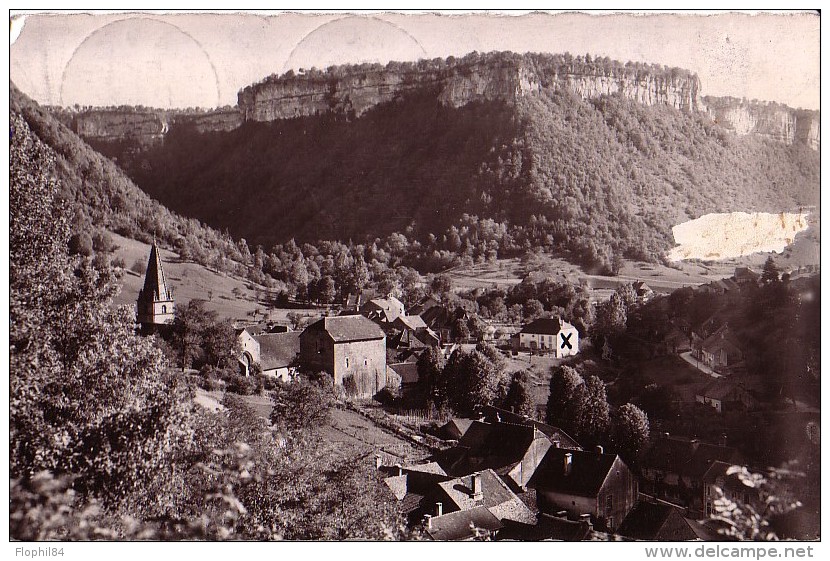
x=189, y=60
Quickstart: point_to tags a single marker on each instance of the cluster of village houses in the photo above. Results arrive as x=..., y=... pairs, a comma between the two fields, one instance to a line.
x=503, y=475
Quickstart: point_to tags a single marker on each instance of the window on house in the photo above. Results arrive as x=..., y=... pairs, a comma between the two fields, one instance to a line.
x=609, y=504
x=365, y=362
x=164, y=309
x=708, y=509
x=347, y=362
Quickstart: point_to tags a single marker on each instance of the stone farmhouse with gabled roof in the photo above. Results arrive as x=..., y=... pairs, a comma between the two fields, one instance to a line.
x=384, y=311
x=674, y=466
x=585, y=482
x=513, y=451
x=350, y=348
x=276, y=353
x=553, y=335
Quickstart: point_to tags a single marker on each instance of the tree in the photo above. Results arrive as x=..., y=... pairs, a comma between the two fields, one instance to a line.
x=296, y=320
x=477, y=327
x=326, y=289
x=770, y=272
x=188, y=327
x=430, y=367
x=594, y=419
x=519, y=398
x=441, y=287
x=533, y=309
x=301, y=405
x=471, y=381
x=80, y=244
x=89, y=399
x=629, y=432
x=566, y=388
x=220, y=344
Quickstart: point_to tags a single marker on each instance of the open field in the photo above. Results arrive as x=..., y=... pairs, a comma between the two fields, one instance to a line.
x=190, y=280
x=348, y=430
x=504, y=273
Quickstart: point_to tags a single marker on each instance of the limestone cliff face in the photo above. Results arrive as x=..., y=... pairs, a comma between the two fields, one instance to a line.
x=456, y=86
x=680, y=93
x=769, y=120
x=143, y=126
x=351, y=91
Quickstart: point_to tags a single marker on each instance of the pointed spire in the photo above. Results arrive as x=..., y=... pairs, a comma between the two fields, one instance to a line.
x=155, y=283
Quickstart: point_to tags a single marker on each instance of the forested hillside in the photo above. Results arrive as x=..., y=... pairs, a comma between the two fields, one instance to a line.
x=599, y=179
x=99, y=194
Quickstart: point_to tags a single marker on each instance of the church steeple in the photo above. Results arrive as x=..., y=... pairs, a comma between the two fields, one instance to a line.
x=155, y=300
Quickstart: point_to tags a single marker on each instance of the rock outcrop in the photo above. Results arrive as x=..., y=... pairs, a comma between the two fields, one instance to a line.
x=350, y=91
x=143, y=126
x=770, y=120
x=353, y=92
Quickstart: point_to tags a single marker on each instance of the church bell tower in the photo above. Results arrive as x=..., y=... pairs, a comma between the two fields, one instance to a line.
x=155, y=300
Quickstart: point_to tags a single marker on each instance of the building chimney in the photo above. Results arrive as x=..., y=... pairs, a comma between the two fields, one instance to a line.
x=378, y=461
x=439, y=509
x=475, y=485
x=587, y=519
x=563, y=514
x=428, y=521
x=599, y=449
x=400, y=469
x=722, y=441
x=568, y=463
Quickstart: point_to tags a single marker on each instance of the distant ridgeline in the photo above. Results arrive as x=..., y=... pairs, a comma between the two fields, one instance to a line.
x=351, y=90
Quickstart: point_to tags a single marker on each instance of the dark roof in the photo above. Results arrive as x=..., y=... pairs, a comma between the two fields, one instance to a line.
x=261, y=328
x=408, y=371
x=155, y=283
x=683, y=456
x=460, y=525
x=411, y=322
x=555, y=434
x=546, y=326
x=722, y=337
x=278, y=350
x=746, y=272
x=489, y=446
x=348, y=328
x=424, y=305
x=428, y=337
x=456, y=427
x=647, y=518
x=718, y=389
x=584, y=478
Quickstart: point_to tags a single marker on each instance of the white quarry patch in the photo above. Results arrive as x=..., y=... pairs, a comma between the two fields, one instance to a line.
x=724, y=236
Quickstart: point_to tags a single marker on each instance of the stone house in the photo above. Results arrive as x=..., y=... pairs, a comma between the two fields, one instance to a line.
x=585, y=482
x=276, y=353
x=674, y=466
x=384, y=311
x=553, y=335
x=723, y=395
x=350, y=348
x=514, y=451
x=719, y=351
